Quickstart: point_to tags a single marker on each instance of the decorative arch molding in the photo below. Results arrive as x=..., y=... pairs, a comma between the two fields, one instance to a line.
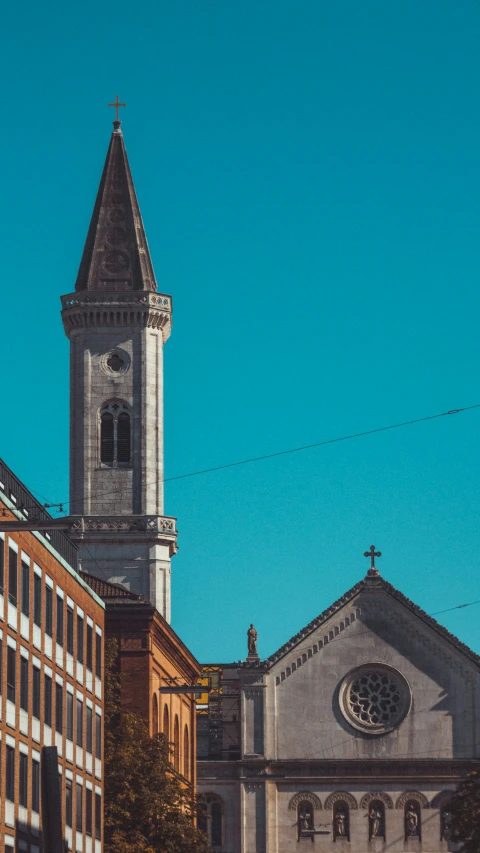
x=441, y=799
x=412, y=795
x=341, y=796
x=304, y=796
x=376, y=795
x=209, y=797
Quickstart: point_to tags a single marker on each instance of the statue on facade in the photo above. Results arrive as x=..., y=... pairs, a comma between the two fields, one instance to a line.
x=252, y=637
x=340, y=824
x=375, y=816
x=411, y=822
x=305, y=822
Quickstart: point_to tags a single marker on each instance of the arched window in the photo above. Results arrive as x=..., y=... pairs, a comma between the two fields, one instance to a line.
x=376, y=819
x=166, y=723
x=154, y=714
x=305, y=821
x=115, y=434
x=341, y=821
x=186, y=753
x=176, y=745
x=210, y=819
x=412, y=817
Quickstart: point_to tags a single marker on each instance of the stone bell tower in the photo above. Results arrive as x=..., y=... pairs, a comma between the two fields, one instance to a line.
x=117, y=324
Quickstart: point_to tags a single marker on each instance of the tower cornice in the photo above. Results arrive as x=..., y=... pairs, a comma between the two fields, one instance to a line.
x=90, y=309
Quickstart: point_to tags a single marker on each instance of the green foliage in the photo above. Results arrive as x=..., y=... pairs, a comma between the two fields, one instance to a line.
x=146, y=808
x=464, y=809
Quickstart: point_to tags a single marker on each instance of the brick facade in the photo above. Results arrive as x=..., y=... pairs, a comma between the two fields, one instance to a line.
x=51, y=640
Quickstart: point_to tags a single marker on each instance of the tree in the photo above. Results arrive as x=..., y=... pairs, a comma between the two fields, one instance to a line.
x=464, y=814
x=146, y=808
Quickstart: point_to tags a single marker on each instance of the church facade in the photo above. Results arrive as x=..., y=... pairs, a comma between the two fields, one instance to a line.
x=351, y=737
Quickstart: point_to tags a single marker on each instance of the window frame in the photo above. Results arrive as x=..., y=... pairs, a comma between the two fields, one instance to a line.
x=116, y=410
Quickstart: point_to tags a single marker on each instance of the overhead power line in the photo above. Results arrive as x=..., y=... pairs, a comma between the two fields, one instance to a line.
x=274, y=455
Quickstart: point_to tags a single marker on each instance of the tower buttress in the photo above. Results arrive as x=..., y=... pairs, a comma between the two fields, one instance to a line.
x=117, y=323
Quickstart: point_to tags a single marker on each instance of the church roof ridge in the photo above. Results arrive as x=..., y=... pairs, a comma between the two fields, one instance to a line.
x=116, y=255
x=366, y=583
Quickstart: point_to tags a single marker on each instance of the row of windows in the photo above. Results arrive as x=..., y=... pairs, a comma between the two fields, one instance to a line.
x=85, y=798
x=176, y=737
x=88, y=646
x=53, y=701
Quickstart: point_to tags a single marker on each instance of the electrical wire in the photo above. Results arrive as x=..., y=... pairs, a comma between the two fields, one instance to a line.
x=285, y=452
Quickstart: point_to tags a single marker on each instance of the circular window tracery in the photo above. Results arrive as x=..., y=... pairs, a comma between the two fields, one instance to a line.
x=375, y=698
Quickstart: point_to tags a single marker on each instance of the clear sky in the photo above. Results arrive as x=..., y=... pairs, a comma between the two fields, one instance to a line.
x=308, y=174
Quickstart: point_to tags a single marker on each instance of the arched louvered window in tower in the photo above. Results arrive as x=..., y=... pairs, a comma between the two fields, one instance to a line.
x=154, y=714
x=115, y=435
x=210, y=819
x=176, y=745
x=186, y=754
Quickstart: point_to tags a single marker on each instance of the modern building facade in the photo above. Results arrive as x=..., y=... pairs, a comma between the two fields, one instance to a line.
x=117, y=324
x=351, y=737
x=51, y=687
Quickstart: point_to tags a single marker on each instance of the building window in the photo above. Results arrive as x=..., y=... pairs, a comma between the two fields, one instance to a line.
x=11, y=673
x=12, y=576
x=98, y=815
x=68, y=802
x=59, y=620
x=79, y=807
x=341, y=821
x=59, y=708
x=210, y=819
x=35, y=785
x=25, y=588
x=79, y=638
x=47, y=700
x=69, y=630
x=166, y=722
x=88, y=811
x=24, y=684
x=154, y=714
x=79, y=722
x=89, y=738
x=89, y=647
x=70, y=716
x=98, y=655
x=37, y=599
x=23, y=780
x=48, y=611
x=10, y=780
x=98, y=736
x=36, y=692
x=115, y=435
x=186, y=754
x=2, y=564
x=176, y=745
x=445, y=823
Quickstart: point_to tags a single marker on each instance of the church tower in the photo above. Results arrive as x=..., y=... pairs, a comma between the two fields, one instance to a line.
x=117, y=324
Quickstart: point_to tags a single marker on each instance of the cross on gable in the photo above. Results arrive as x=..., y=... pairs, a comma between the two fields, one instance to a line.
x=372, y=554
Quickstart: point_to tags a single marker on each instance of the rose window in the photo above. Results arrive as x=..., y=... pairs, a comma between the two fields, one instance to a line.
x=375, y=698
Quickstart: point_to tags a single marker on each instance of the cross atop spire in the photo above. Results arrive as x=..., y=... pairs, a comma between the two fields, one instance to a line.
x=373, y=571
x=117, y=104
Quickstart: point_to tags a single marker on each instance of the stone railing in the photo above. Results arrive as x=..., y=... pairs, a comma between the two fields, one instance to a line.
x=124, y=524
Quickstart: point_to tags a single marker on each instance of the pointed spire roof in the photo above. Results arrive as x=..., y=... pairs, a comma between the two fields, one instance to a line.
x=116, y=255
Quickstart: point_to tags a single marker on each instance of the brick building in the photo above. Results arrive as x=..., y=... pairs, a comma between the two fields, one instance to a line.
x=151, y=656
x=51, y=661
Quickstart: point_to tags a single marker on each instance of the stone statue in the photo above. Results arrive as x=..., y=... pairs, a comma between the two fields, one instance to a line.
x=252, y=637
x=305, y=820
x=375, y=822
x=340, y=825
x=411, y=822
x=446, y=824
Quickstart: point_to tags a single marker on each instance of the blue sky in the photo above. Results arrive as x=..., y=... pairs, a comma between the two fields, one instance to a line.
x=308, y=177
